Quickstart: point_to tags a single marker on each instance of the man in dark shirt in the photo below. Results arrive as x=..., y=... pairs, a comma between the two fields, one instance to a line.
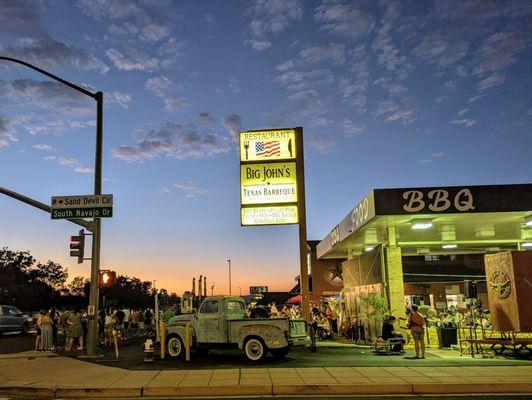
x=388, y=332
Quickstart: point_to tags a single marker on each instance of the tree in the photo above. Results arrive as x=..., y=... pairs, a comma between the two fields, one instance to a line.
x=77, y=286
x=52, y=273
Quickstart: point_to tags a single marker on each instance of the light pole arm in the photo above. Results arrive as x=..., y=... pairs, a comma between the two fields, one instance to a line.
x=41, y=206
x=50, y=75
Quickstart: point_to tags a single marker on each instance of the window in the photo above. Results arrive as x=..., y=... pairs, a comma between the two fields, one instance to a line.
x=235, y=306
x=209, y=307
x=11, y=311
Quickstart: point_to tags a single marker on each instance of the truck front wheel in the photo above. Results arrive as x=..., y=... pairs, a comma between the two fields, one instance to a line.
x=175, y=347
x=254, y=349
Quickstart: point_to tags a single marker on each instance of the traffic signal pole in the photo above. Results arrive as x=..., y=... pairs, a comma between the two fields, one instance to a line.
x=92, y=332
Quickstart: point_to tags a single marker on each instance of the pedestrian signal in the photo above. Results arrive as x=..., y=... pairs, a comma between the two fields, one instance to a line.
x=107, y=278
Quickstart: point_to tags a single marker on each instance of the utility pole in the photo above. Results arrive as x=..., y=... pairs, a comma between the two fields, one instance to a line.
x=229, y=262
x=303, y=274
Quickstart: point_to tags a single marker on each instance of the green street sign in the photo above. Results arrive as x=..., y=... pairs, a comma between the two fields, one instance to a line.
x=67, y=213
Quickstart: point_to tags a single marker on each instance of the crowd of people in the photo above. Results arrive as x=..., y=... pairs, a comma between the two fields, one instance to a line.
x=67, y=330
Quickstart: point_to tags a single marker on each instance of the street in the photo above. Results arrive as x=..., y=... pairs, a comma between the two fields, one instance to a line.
x=329, y=354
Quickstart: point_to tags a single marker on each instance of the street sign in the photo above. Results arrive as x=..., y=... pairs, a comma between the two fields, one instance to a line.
x=268, y=183
x=268, y=145
x=269, y=215
x=83, y=206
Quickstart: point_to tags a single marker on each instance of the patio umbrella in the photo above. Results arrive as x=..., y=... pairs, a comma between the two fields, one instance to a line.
x=294, y=300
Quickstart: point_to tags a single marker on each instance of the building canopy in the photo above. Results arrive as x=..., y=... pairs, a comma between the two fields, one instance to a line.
x=436, y=220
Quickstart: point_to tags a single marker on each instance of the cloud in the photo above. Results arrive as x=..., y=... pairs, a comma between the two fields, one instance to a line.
x=354, y=92
x=333, y=53
x=179, y=141
x=121, y=98
x=234, y=84
x=343, y=19
x=114, y=9
x=463, y=111
x=6, y=133
x=43, y=147
x=71, y=162
x=49, y=52
x=304, y=103
x=439, y=154
x=192, y=190
x=391, y=111
x=467, y=122
x=285, y=66
x=21, y=18
x=159, y=85
x=350, y=129
x=48, y=94
x=133, y=61
x=426, y=161
x=233, y=123
x=154, y=32
x=259, y=45
x=299, y=80
x=174, y=104
x=270, y=17
x=499, y=51
x=323, y=143
x=205, y=117
x=491, y=81
x=441, y=51
x=84, y=170
x=163, y=190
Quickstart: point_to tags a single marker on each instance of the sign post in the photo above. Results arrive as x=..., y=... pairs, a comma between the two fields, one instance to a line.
x=272, y=188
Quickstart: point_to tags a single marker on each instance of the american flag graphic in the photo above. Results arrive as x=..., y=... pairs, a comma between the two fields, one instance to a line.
x=267, y=149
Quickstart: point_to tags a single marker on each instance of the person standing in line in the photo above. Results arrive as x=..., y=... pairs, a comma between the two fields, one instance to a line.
x=416, y=323
x=75, y=329
x=55, y=322
x=47, y=340
x=38, y=328
x=134, y=324
x=127, y=313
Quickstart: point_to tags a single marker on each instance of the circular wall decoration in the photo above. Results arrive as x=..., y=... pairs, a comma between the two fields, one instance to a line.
x=500, y=284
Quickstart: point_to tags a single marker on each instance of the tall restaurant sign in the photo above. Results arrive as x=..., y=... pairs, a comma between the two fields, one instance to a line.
x=268, y=177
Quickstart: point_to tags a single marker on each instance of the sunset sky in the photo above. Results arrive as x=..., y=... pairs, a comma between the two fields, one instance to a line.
x=389, y=94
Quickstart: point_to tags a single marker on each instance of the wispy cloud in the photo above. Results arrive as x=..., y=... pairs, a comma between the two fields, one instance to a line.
x=43, y=147
x=159, y=85
x=467, y=122
x=174, y=104
x=350, y=128
x=343, y=19
x=134, y=60
x=71, y=162
x=192, y=190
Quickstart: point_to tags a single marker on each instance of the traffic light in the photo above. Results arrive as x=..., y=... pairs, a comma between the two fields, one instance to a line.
x=77, y=246
x=107, y=278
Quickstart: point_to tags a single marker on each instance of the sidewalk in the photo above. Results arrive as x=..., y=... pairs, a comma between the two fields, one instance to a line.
x=34, y=375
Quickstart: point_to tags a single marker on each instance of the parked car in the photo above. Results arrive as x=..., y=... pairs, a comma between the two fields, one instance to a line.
x=220, y=322
x=14, y=320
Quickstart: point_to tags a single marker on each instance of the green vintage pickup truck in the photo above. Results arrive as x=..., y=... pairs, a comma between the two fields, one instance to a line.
x=221, y=322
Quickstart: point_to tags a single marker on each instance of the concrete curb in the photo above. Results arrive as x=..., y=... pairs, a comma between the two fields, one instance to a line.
x=267, y=390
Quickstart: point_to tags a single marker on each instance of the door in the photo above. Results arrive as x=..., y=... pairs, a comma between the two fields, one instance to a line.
x=209, y=322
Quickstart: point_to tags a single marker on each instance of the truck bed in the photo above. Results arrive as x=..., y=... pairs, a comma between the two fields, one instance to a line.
x=234, y=325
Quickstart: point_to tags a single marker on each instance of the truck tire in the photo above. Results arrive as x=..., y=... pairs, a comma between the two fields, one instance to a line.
x=254, y=349
x=280, y=353
x=175, y=347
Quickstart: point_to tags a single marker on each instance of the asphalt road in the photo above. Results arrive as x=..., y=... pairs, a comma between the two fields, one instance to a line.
x=132, y=357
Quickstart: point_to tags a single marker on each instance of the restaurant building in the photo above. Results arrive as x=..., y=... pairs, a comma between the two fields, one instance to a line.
x=426, y=245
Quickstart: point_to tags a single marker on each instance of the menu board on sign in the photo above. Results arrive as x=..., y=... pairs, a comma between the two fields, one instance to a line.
x=274, y=215
x=268, y=145
x=268, y=183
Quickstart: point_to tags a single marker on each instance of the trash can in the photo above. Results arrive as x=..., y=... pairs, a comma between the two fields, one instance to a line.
x=446, y=337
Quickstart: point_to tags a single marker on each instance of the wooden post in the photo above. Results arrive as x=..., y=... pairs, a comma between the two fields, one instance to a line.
x=162, y=337
x=302, y=215
x=187, y=341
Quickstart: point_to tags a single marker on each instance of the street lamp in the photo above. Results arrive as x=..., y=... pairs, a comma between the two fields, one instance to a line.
x=212, y=289
x=229, y=262
x=95, y=225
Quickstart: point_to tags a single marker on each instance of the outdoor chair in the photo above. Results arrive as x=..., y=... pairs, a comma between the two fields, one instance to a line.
x=390, y=346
